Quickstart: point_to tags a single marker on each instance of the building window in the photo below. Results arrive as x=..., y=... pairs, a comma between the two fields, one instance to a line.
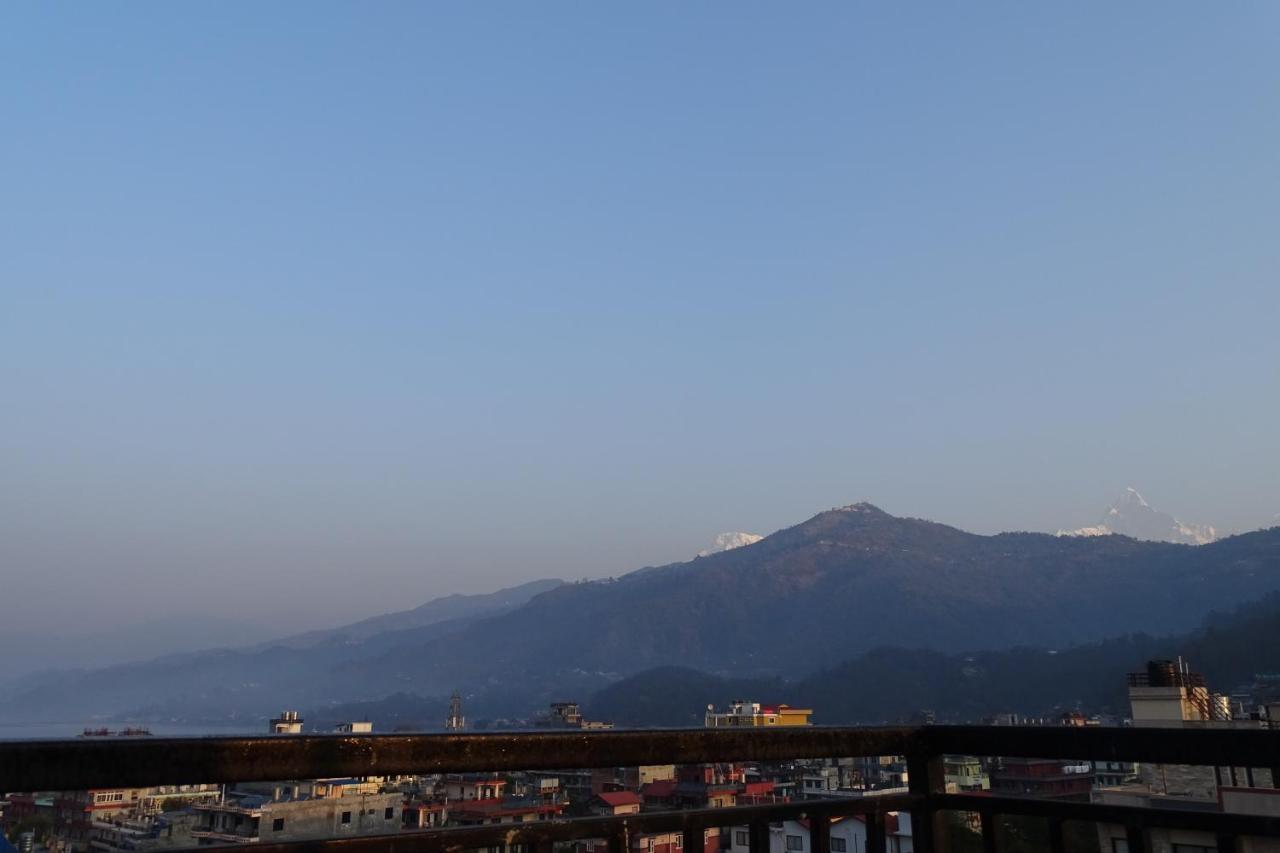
x=741, y=839
x=795, y=842
x=277, y=825
x=389, y=813
x=837, y=844
x=346, y=817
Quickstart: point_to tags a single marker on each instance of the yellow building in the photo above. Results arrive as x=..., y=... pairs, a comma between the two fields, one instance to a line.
x=743, y=713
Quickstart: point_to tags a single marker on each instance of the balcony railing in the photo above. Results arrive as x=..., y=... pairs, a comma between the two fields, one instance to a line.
x=138, y=762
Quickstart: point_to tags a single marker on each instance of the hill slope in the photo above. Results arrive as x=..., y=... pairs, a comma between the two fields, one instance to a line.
x=807, y=597
x=890, y=685
x=226, y=683
x=843, y=582
x=445, y=609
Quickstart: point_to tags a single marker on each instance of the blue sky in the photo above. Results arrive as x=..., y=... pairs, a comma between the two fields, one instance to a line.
x=364, y=303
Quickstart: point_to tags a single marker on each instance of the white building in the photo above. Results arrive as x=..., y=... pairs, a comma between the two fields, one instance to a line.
x=848, y=835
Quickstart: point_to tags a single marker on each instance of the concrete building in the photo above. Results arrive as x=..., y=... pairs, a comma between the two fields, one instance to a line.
x=1257, y=801
x=465, y=787
x=745, y=713
x=1045, y=778
x=288, y=723
x=848, y=835
x=1167, y=694
x=663, y=842
x=358, y=727
x=425, y=815
x=1107, y=774
x=568, y=715
x=964, y=774
x=246, y=818
x=819, y=782
x=485, y=812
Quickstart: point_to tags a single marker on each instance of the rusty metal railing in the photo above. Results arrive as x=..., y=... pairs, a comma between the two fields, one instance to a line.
x=82, y=764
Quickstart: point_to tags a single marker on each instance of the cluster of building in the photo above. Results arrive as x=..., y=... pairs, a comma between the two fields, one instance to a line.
x=1165, y=693
x=152, y=819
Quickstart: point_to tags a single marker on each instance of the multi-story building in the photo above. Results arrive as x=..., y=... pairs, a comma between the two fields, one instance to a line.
x=472, y=786
x=964, y=774
x=819, y=782
x=568, y=715
x=662, y=842
x=484, y=812
x=882, y=773
x=419, y=814
x=246, y=817
x=745, y=713
x=288, y=723
x=848, y=835
x=1107, y=774
x=1167, y=694
x=1037, y=777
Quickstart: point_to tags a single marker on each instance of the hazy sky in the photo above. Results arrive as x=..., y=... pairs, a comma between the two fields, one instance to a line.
x=311, y=311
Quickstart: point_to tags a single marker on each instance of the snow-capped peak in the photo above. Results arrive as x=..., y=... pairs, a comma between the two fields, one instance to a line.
x=1131, y=497
x=1131, y=515
x=729, y=541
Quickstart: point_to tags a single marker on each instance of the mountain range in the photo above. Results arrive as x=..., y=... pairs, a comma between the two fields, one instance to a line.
x=794, y=603
x=1131, y=515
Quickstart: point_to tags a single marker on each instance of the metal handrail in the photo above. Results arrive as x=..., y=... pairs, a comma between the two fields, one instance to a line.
x=85, y=763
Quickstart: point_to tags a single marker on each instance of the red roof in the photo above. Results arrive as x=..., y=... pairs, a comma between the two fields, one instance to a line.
x=660, y=789
x=620, y=798
x=496, y=808
x=890, y=821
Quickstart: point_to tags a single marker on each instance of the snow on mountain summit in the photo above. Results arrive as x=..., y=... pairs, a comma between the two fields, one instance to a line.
x=1130, y=515
x=729, y=541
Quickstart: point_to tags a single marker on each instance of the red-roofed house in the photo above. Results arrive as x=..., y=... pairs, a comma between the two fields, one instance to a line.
x=609, y=803
x=659, y=794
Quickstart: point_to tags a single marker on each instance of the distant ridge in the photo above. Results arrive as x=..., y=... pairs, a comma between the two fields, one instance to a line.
x=805, y=598
x=963, y=687
x=436, y=610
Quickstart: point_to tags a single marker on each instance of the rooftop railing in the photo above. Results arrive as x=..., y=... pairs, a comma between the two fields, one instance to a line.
x=82, y=764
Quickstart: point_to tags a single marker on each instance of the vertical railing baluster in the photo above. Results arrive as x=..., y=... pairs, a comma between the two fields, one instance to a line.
x=1137, y=838
x=875, y=832
x=618, y=840
x=819, y=832
x=1057, y=841
x=694, y=839
x=990, y=832
x=925, y=779
x=759, y=830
